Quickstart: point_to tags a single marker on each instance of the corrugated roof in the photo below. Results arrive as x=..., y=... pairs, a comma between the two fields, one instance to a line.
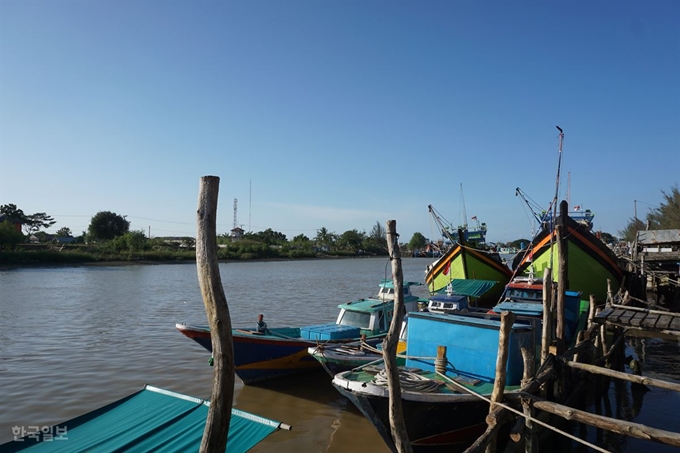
x=151, y=419
x=658, y=237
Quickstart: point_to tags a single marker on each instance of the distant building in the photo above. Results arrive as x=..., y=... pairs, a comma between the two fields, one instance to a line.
x=237, y=233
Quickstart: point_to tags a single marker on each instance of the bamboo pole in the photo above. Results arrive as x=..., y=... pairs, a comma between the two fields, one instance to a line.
x=216, y=308
x=397, y=424
x=625, y=376
x=611, y=424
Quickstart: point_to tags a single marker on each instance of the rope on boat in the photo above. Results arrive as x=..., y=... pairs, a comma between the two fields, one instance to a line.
x=522, y=414
x=409, y=382
x=401, y=356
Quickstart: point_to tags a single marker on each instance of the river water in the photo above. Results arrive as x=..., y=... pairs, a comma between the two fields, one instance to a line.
x=73, y=339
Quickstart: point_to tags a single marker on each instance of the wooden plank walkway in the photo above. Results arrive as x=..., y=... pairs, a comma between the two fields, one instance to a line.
x=640, y=319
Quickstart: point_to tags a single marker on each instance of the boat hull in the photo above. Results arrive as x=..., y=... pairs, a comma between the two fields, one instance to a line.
x=431, y=426
x=590, y=262
x=261, y=358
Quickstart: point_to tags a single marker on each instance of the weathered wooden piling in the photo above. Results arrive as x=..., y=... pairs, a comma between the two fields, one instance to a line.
x=397, y=425
x=546, y=336
x=219, y=414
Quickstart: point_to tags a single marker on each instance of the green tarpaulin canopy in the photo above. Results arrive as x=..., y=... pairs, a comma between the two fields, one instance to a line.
x=152, y=419
x=468, y=287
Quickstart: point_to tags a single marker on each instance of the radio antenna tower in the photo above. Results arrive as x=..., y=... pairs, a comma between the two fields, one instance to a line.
x=235, y=213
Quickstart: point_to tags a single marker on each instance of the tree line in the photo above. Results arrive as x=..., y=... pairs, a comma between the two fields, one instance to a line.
x=108, y=236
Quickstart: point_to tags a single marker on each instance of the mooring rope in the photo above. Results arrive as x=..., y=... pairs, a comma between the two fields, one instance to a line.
x=408, y=381
x=522, y=414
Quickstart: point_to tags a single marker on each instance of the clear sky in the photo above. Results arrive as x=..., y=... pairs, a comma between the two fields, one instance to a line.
x=337, y=114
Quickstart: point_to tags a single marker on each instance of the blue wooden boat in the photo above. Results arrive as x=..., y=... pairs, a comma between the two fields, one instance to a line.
x=151, y=419
x=456, y=297
x=282, y=351
x=439, y=416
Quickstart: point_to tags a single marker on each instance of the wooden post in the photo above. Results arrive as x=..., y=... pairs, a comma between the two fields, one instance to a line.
x=217, y=311
x=530, y=435
x=546, y=337
x=528, y=349
x=507, y=320
x=461, y=241
x=440, y=362
x=562, y=279
x=397, y=424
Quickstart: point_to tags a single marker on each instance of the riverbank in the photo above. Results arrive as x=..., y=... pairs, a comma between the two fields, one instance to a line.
x=35, y=263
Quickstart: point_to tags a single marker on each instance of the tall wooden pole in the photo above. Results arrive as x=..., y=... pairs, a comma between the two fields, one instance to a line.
x=397, y=425
x=217, y=311
x=562, y=279
x=507, y=320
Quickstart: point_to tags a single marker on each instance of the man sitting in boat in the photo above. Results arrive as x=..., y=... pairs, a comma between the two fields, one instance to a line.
x=261, y=325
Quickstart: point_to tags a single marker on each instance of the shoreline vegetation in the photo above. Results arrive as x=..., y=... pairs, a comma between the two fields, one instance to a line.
x=43, y=255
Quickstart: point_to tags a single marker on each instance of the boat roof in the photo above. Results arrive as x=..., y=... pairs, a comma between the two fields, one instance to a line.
x=367, y=305
x=470, y=287
x=389, y=283
x=150, y=419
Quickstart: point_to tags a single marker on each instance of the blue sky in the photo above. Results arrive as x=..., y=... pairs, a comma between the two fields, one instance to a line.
x=337, y=114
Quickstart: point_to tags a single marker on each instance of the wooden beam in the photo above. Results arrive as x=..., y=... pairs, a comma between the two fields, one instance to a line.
x=625, y=376
x=610, y=424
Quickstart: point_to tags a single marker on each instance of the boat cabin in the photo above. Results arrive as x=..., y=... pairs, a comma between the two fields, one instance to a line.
x=387, y=292
x=372, y=316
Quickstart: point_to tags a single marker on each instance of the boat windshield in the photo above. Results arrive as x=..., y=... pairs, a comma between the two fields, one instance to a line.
x=355, y=319
x=524, y=294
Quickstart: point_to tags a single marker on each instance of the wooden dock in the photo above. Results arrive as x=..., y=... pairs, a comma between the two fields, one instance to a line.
x=642, y=319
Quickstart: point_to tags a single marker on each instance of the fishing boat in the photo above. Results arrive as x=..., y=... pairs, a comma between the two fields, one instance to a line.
x=151, y=419
x=460, y=295
x=590, y=263
x=335, y=358
x=456, y=298
x=283, y=351
x=441, y=413
x=466, y=260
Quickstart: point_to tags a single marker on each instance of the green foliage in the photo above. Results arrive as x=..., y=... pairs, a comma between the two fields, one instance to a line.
x=351, y=240
x=64, y=232
x=10, y=236
x=325, y=238
x=37, y=221
x=132, y=241
x=667, y=215
x=378, y=231
x=268, y=236
x=418, y=241
x=300, y=239
x=13, y=213
x=30, y=223
x=106, y=225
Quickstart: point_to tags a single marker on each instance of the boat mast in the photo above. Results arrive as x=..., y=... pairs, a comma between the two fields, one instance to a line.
x=553, y=221
x=462, y=201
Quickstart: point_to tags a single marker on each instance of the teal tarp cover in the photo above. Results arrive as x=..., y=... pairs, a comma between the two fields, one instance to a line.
x=152, y=419
x=468, y=287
